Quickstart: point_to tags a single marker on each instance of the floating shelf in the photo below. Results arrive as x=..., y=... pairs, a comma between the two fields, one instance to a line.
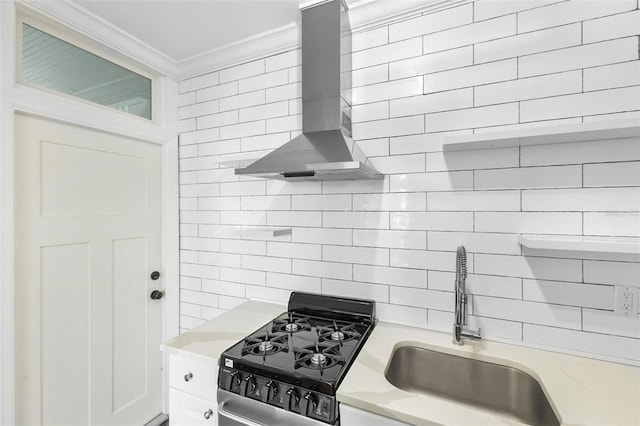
x=261, y=231
x=247, y=231
x=582, y=132
x=241, y=159
x=619, y=245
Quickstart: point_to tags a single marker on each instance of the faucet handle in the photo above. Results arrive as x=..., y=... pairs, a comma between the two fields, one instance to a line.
x=472, y=334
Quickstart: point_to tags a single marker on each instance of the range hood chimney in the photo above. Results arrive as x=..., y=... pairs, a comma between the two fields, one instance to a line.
x=325, y=150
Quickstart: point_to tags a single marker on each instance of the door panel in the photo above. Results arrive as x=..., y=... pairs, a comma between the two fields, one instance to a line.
x=66, y=290
x=130, y=302
x=87, y=232
x=78, y=181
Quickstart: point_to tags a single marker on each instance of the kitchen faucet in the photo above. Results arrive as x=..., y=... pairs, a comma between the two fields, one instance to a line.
x=459, y=331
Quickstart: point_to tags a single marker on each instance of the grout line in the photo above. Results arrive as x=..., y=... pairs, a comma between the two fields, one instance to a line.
x=428, y=234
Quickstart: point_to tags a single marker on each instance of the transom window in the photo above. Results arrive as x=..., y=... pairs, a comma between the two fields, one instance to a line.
x=55, y=64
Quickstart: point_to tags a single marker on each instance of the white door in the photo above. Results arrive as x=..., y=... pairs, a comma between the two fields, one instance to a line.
x=87, y=237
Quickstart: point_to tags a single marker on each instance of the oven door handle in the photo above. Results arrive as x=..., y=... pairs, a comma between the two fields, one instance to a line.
x=222, y=411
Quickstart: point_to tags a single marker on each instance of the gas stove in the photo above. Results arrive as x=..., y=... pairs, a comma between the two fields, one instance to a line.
x=296, y=361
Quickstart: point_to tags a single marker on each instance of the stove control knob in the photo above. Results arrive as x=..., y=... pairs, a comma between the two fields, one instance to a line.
x=231, y=381
x=308, y=403
x=290, y=399
x=247, y=385
x=269, y=391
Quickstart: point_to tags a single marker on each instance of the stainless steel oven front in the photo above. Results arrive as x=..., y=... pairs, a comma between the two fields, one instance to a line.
x=236, y=410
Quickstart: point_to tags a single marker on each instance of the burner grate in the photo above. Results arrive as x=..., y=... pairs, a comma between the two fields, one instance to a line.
x=292, y=324
x=318, y=356
x=265, y=344
x=338, y=334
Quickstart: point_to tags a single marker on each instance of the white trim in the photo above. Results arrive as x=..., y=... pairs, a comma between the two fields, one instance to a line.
x=363, y=15
x=367, y=14
x=7, y=379
x=272, y=42
x=170, y=227
x=92, y=26
x=312, y=3
x=7, y=70
x=168, y=97
x=78, y=112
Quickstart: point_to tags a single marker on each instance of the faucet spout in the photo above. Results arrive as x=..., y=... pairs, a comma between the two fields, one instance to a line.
x=461, y=300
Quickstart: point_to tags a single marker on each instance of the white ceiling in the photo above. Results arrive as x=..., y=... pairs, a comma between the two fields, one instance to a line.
x=184, y=28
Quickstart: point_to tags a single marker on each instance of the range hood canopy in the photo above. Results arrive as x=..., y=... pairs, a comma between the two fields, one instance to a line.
x=325, y=149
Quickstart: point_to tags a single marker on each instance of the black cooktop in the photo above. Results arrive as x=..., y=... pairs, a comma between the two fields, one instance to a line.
x=311, y=345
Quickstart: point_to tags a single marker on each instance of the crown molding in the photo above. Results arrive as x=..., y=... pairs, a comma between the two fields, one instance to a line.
x=104, y=33
x=363, y=15
x=368, y=14
x=272, y=42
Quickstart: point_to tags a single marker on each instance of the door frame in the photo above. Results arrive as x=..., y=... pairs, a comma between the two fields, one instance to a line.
x=162, y=131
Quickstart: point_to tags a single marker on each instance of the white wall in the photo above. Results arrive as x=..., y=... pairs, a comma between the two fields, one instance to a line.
x=477, y=67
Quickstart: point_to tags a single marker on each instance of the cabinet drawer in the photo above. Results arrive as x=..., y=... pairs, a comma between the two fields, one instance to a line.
x=199, y=378
x=188, y=410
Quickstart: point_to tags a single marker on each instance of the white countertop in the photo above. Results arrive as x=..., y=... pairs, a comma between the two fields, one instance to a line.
x=581, y=390
x=210, y=339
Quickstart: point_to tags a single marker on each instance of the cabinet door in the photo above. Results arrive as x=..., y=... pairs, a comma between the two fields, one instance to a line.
x=188, y=410
x=351, y=416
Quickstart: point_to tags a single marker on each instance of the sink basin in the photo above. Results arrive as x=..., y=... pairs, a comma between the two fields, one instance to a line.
x=496, y=387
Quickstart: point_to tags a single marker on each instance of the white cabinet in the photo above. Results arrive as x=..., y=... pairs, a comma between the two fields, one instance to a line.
x=192, y=393
x=352, y=416
x=188, y=410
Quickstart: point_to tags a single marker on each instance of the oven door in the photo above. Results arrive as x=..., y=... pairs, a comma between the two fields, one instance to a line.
x=236, y=410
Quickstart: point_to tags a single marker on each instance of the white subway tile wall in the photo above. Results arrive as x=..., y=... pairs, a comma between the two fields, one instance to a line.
x=471, y=68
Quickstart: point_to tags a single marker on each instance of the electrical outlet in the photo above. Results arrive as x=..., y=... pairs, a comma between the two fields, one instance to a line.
x=626, y=300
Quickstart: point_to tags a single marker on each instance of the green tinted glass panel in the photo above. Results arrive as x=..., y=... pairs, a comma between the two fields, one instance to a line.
x=53, y=63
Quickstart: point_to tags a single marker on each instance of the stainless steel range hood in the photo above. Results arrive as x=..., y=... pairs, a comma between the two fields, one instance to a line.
x=325, y=149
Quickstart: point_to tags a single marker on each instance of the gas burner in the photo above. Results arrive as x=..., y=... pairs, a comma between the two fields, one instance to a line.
x=337, y=333
x=291, y=324
x=265, y=344
x=291, y=327
x=318, y=356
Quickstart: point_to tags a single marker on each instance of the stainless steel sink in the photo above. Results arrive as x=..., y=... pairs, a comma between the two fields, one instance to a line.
x=492, y=386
